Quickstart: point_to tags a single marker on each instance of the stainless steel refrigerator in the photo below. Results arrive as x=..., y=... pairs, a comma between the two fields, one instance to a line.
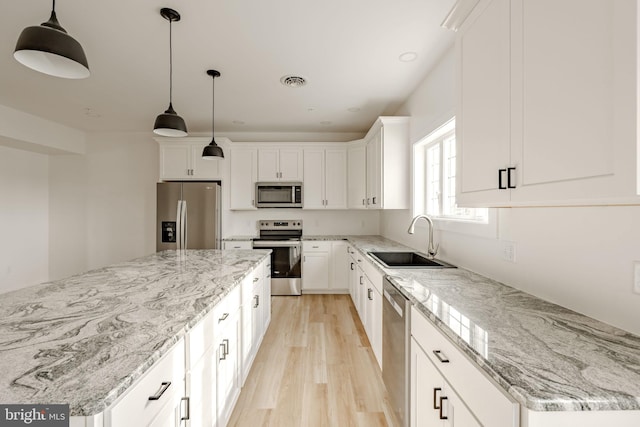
x=188, y=215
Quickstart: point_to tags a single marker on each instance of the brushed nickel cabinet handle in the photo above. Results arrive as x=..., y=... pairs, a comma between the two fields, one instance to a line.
x=442, y=399
x=224, y=317
x=435, y=398
x=188, y=406
x=441, y=357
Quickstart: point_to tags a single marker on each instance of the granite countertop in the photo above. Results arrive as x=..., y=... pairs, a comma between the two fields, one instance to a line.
x=83, y=340
x=238, y=238
x=547, y=357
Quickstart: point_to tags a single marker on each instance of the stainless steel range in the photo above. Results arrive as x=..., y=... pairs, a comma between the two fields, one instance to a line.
x=284, y=239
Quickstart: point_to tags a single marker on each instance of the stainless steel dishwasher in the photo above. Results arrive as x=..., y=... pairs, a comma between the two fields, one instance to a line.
x=396, y=335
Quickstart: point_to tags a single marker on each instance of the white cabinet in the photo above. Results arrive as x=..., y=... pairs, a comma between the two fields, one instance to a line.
x=256, y=314
x=440, y=364
x=434, y=403
x=243, y=174
x=182, y=160
x=357, y=176
x=325, y=178
x=280, y=164
x=544, y=106
x=228, y=358
x=316, y=257
x=387, y=164
x=157, y=397
x=339, y=266
x=324, y=268
x=237, y=244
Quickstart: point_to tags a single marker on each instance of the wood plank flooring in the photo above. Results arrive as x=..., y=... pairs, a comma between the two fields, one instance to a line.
x=315, y=368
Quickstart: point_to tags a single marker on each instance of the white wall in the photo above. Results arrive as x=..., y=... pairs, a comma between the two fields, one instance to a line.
x=578, y=257
x=24, y=212
x=103, y=203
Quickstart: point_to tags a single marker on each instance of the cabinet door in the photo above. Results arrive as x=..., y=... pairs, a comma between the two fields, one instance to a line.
x=567, y=93
x=266, y=292
x=339, y=266
x=256, y=313
x=374, y=171
x=314, y=178
x=353, y=278
x=335, y=178
x=268, y=169
x=243, y=170
x=175, y=162
x=483, y=119
x=204, y=168
x=201, y=389
x=426, y=389
x=357, y=179
x=455, y=410
x=375, y=319
x=227, y=362
x=315, y=273
x=290, y=164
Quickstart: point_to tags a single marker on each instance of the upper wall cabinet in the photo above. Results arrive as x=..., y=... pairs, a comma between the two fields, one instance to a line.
x=182, y=160
x=325, y=178
x=357, y=176
x=547, y=103
x=243, y=165
x=280, y=164
x=387, y=164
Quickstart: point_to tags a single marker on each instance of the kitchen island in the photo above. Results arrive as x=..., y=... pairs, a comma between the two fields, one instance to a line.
x=86, y=339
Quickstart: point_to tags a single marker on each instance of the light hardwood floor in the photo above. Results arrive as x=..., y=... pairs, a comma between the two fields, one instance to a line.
x=315, y=368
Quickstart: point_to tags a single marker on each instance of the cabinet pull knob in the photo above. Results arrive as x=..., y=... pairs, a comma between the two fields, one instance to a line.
x=361, y=280
x=163, y=387
x=226, y=346
x=224, y=317
x=441, y=357
x=509, y=174
x=255, y=279
x=188, y=406
x=369, y=292
x=374, y=200
x=256, y=299
x=435, y=398
x=352, y=267
x=443, y=398
x=500, y=174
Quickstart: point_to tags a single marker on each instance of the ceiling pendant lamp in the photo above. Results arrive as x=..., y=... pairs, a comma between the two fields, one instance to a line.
x=170, y=123
x=212, y=150
x=50, y=50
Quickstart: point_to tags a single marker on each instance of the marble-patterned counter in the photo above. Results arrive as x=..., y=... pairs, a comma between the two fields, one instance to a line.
x=547, y=357
x=83, y=340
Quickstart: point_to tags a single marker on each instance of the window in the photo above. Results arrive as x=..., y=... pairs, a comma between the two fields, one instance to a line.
x=435, y=178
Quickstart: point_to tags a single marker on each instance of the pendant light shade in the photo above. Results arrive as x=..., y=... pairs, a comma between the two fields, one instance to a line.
x=212, y=150
x=170, y=123
x=50, y=50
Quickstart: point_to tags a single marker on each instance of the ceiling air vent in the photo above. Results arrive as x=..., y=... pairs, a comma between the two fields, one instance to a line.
x=293, y=81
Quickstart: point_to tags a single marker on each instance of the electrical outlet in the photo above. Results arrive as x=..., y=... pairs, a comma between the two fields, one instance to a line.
x=636, y=277
x=508, y=250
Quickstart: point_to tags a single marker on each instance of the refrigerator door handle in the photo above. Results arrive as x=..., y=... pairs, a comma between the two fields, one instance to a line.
x=183, y=223
x=179, y=225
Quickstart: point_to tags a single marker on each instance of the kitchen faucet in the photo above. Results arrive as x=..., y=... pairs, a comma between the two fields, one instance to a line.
x=431, y=250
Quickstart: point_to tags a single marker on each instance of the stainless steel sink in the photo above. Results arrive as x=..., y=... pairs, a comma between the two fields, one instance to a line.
x=407, y=260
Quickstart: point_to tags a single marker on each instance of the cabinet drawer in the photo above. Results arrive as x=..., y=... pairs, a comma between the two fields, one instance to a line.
x=134, y=408
x=372, y=273
x=238, y=244
x=225, y=309
x=485, y=399
x=316, y=246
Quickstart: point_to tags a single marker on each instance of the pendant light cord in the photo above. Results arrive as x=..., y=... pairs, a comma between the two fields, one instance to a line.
x=170, y=64
x=53, y=8
x=213, y=104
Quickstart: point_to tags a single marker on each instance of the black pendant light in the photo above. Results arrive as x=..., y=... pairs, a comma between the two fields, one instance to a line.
x=170, y=123
x=50, y=50
x=212, y=150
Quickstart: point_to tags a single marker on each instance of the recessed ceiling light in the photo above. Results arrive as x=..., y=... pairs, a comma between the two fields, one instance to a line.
x=408, y=57
x=238, y=122
x=353, y=109
x=310, y=109
x=293, y=81
x=89, y=112
x=325, y=123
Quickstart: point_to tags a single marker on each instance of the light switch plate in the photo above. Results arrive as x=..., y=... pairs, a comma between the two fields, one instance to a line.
x=636, y=277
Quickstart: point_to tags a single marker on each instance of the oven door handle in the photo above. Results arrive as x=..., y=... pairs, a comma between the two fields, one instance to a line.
x=275, y=244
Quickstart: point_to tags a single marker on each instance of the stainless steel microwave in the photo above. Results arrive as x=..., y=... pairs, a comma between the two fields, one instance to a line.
x=278, y=194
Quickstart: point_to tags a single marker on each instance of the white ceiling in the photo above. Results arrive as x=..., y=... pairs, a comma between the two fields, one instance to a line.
x=347, y=49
